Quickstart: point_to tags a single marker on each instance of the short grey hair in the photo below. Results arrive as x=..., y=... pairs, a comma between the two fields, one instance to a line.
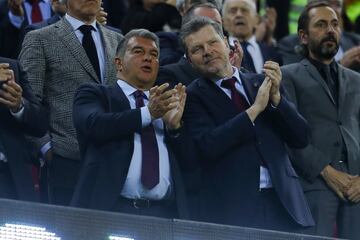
x=143, y=33
x=196, y=25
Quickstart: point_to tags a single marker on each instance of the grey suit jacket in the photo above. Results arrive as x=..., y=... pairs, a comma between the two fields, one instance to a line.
x=328, y=123
x=57, y=65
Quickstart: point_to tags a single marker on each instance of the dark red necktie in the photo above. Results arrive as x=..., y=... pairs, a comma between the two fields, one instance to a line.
x=236, y=97
x=36, y=15
x=150, y=151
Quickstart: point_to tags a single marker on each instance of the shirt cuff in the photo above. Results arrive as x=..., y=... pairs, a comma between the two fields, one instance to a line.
x=16, y=20
x=18, y=115
x=145, y=116
x=45, y=148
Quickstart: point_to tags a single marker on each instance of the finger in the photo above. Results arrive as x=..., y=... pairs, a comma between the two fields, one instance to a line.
x=13, y=88
x=168, y=94
x=4, y=65
x=162, y=88
x=153, y=90
x=7, y=96
x=6, y=102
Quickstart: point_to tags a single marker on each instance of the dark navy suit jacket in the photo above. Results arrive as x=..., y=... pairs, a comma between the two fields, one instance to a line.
x=12, y=134
x=231, y=148
x=105, y=125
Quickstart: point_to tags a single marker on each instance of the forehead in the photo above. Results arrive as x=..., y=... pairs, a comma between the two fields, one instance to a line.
x=322, y=13
x=142, y=42
x=211, y=13
x=202, y=36
x=240, y=4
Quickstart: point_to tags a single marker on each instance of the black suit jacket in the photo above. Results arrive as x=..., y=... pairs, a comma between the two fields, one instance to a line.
x=180, y=72
x=12, y=134
x=105, y=125
x=231, y=148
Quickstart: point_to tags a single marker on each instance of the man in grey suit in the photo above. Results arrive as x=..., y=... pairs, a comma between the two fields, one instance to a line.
x=328, y=96
x=58, y=59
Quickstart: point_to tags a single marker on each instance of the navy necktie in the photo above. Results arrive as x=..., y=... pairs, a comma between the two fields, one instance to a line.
x=236, y=97
x=247, y=61
x=331, y=82
x=90, y=47
x=149, y=148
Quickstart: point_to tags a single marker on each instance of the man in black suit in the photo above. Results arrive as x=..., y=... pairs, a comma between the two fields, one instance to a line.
x=20, y=114
x=241, y=124
x=348, y=54
x=129, y=135
x=240, y=19
x=182, y=71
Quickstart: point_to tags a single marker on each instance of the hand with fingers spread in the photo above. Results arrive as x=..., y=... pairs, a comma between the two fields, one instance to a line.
x=261, y=100
x=353, y=192
x=236, y=54
x=161, y=100
x=10, y=92
x=339, y=182
x=15, y=6
x=173, y=117
x=273, y=72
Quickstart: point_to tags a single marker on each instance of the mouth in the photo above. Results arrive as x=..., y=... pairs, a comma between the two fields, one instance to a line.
x=208, y=61
x=240, y=22
x=146, y=69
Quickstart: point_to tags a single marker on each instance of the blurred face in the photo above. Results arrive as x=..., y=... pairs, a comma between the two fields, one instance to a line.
x=240, y=18
x=140, y=63
x=323, y=33
x=209, y=53
x=84, y=10
x=211, y=13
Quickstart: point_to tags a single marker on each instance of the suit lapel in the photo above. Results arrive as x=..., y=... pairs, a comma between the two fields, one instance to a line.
x=342, y=87
x=119, y=101
x=213, y=93
x=251, y=86
x=108, y=62
x=316, y=75
x=68, y=37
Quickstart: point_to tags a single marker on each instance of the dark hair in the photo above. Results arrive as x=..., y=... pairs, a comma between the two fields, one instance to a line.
x=144, y=33
x=304, y=19
x=196, y=25
x=190, y=12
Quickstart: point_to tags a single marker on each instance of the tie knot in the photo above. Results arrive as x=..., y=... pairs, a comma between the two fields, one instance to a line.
x=86, y=29
x=229, y=83
x=139, y=94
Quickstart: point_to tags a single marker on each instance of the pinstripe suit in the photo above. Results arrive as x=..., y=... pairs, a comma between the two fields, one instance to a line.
x=57, y=64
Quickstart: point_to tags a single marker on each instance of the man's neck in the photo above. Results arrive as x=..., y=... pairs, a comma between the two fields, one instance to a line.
x=85, y=19
x=323, y=61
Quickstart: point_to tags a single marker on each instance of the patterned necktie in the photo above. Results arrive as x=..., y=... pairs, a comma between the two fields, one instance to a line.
x=149, y=148
x=247, y=61
x=236, y=97
x=90, y=47
x=36, y=15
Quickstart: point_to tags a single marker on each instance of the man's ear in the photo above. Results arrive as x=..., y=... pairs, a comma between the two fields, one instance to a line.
x=303, y=37
x=118, y=63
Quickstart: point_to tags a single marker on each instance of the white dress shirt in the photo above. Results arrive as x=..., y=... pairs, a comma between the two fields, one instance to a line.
x=265, y=180
x=133, y=187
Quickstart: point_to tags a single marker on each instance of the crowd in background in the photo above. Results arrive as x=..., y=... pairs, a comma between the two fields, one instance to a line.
x=238, y=112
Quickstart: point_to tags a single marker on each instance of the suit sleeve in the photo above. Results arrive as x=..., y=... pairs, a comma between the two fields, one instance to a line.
x=93, y=120
x=33, y=60
x=35, y=122
x=310, y=161
x=236, y=131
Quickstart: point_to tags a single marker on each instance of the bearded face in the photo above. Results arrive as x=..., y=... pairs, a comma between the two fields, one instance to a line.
x=325, y=48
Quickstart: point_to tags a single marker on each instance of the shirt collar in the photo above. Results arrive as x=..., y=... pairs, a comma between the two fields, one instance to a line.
x=128, y=89
x=252, y=41
x=76, y=23
x=236, y=75
x=319, y=65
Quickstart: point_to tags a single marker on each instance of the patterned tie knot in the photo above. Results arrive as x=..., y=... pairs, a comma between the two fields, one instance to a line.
x=229, y=83
x=86, y=29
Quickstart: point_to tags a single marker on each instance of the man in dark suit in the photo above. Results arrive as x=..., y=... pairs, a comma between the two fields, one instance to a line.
x=182, y=71
x=328, y=96
x=240, y=19
x=241, y=124
x=20, y=13
x=20, y=114
x=58, y=59
x=129, y=135
x=348, y=55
